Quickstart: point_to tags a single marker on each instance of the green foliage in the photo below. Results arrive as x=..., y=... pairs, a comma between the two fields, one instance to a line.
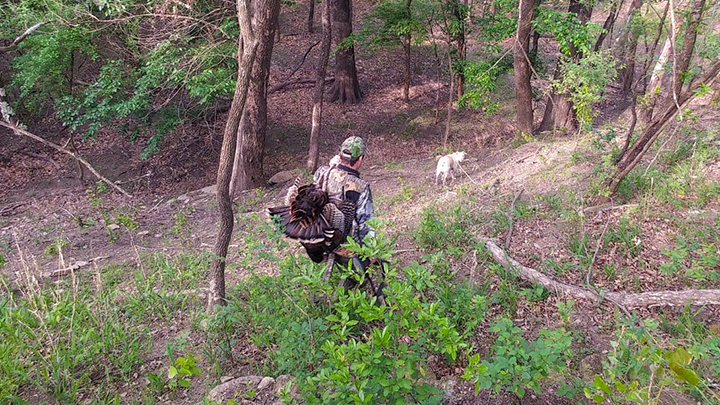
x=440, y=229
x=567, y=29
x=182, y=371
x=518, y=365
x=585, y=82
x=391, y=23
x=627, y=234
x=45, y=68
x=638, y=369
x=481, y=79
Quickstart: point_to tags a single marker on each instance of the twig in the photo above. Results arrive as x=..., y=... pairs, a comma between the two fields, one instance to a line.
x=510, y=218
x=20, y=131
x=588, y=275
x=302, y=61
x=647, y=169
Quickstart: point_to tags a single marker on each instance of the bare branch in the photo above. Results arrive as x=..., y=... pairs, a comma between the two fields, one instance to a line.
x=19, y=39
x=20, y=131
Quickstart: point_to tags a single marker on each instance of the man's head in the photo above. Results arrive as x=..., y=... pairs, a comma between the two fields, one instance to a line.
x=353, y=151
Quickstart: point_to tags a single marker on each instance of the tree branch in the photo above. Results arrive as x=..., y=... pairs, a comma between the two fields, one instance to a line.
x=20, y=131
x=622, y=300
x=19, y=39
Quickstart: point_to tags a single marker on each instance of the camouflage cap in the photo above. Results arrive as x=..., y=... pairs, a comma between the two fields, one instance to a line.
x=353, y=147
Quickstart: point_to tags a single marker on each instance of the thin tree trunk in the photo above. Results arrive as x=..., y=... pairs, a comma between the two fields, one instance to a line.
x=686, y=52
x=408, y=73
x=247, y=48
x=313, y=152
x=523, y=89
x=446, y=136
x=460, y=49
x=653, y=130
x=608, y=25
x=559, y=112
x=406, y=44
x=311, y=16
x=346, y=88
x=248, y=161
x=628, y=48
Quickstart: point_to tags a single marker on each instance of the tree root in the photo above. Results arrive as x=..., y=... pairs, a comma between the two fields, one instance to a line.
x=622, y=300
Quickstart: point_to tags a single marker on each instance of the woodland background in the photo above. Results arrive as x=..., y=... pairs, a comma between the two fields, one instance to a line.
x=138, y=139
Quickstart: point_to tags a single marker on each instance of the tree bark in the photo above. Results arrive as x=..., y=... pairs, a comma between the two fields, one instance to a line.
x=523, y=89
x=247, y=48
x=22, y=37
x=686, y=52
x=315, y=131
x=653, y=130
x=248, y=161
x=346, y=88
x=608, y=25
x=460, y=49
x=311, y=16
x=628, y=46
x=446, y=135
x=630, y=300
x=406, y=45
x=559, y=112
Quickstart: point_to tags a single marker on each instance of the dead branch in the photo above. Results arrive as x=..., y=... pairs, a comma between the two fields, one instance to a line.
x=19, y=39
x=510, y=218
x=302, y=61
x=20, y=131
x=281, y=86
x=629, y=300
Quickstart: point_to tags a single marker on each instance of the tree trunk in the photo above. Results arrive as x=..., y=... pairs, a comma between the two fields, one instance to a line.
x=408, y=72
x=346, y=88
x=523, y=89
x=247, y=49
x=313, y=152
x=446, y=136
x=248, y=161
x=311, y=16
x=686, y=52
x=460, y=49
x=608, y=25
x=653, y=130
x=628, y=48
x=559, y=112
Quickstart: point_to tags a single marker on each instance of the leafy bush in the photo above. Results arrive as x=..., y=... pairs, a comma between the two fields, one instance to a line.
x=517, y=364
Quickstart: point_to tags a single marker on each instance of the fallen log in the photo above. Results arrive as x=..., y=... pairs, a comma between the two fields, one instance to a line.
x=630, y=300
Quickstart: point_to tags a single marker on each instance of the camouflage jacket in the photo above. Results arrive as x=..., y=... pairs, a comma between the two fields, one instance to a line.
x=338, y=178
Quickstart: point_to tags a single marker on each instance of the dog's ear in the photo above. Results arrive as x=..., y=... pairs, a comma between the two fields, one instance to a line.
x=438, y=157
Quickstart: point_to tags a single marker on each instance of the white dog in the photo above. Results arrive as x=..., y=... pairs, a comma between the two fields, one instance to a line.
x=447, y=165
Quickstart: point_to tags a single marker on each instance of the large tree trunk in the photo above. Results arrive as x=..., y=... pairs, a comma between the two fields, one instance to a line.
x=682, y=64
x=248, y=161
x=559, y=112
x=628, y=48
x=313, y=152
x=247, y=49
x=653, y=130
x=346, y=88
x=523, y=89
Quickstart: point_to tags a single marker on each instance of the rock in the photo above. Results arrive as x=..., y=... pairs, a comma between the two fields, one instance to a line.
x=143, y=233
x=225, y=378
x=113, y=227
x=284, y=176
x=265, y=382
x=231, y=388
x=211, y=189
x=283, y=383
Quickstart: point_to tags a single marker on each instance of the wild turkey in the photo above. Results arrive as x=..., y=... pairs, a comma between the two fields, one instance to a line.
x=320, y=223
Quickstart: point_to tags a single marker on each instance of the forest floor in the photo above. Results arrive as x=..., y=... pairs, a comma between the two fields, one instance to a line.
x=662, y=234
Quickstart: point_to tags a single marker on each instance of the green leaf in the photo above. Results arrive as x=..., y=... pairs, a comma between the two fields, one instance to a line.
x=601, y=385
x=172, y=372
x=685, y=374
